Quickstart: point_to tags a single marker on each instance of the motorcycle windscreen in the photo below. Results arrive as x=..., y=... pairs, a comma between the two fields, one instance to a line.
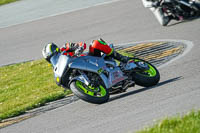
x=54, y=59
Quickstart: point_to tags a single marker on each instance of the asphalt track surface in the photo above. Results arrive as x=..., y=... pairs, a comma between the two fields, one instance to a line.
x=118, y=22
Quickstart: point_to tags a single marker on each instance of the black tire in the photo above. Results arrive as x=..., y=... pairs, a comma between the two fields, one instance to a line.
x=143, y=78
x=86, y=97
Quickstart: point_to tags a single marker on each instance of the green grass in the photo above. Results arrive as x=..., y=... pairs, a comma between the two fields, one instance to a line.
x=2, y=2
x=25, y=86
x=189, y=123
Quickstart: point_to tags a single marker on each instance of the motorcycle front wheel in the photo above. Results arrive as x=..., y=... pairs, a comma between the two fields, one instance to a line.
x=97, y=95
x=148, y=77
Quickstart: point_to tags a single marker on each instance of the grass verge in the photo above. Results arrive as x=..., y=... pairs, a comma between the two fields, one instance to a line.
x=189, y=123
x=2, y=2
x=25, y=86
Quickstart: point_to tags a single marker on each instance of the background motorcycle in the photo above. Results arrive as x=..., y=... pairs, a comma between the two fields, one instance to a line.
x=93, y=78
x=181, y=8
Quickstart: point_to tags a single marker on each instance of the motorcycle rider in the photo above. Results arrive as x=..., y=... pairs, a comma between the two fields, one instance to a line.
x=71, y=49
x=158, y=12
x=163, y=19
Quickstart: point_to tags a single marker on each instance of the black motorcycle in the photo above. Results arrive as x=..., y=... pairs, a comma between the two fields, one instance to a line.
x=181, y=9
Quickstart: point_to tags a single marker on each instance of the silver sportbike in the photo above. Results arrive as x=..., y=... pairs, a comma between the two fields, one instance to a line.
x=94, y=79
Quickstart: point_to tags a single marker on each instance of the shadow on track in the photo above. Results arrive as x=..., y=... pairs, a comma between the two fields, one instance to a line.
x=145, y=89
x=184, y=21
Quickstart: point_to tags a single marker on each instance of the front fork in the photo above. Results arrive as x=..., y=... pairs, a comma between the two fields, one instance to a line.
x=82, y=77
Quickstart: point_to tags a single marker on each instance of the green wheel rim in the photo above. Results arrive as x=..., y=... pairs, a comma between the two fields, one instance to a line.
x=92, y=91
x=149, y=73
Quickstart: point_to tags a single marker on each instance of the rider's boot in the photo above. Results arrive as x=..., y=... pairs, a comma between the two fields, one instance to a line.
x=119, y=57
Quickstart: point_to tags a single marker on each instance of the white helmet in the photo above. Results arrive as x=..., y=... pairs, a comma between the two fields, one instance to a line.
x=49, y=50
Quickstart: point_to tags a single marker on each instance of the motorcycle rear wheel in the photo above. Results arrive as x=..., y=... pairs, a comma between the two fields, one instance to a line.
x=90, y=94
x=146, y=78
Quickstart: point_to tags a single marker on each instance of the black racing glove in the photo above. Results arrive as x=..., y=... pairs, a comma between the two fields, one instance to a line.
x=79, y=50
x=73, y=46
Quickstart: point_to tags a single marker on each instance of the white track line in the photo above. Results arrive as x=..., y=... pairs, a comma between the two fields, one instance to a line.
x=61, y=13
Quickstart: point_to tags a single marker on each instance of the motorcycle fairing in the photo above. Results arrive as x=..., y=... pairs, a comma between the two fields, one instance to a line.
x=97, y=64
x=88, y=63
x=60, y=67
